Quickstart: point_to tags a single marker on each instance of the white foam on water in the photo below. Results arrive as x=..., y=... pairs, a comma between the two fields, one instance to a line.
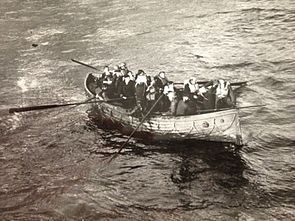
x=36, y=35
x=108, y=35
x=45, y=43
x=68, y=51
x=15, y=121
x=26, y=84
x=22, y=84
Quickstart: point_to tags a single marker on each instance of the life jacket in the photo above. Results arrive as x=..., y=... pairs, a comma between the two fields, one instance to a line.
x=107, y=80
x=131, y=76
x=151, y=92
x=117, y=73
x=194, y=88
x=141, y=79
x=222, y=89
x=169, y=92
x=203, y=90
x=126, y=80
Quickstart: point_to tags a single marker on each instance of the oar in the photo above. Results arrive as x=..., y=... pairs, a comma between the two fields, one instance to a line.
x=221, y=109
x=133, y=132
x=82, y=63
x=252, y=106
x=241, y=83
x=50, y=106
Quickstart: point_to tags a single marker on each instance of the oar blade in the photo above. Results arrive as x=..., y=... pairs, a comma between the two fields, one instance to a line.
x=49, y=106
x=44, y=107
x=33, y=108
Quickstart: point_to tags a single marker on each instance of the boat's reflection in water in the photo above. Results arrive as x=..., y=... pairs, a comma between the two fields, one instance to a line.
x=214, y=165
x=225, y=167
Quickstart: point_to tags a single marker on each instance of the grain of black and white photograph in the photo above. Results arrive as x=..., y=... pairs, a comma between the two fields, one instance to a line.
x=144, y=110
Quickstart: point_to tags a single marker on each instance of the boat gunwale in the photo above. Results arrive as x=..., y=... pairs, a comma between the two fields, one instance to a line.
x=123, y=111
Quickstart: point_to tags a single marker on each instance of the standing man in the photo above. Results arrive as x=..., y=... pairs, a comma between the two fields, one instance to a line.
x=160, y=82
x=140, y=92
x=169, y=91
x=126, y=91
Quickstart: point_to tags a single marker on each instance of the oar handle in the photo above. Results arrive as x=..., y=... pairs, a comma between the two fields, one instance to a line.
x=82, y=63
x=133, y=132
x=241, y=83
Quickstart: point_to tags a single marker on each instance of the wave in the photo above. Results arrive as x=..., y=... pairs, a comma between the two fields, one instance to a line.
x=224, y=12
x=195, y=16
x=286, y=61
x=234, y=66
x=270, y=141
x=289, y=19
x=271, y=82
x=253, y=9
x=257, y=9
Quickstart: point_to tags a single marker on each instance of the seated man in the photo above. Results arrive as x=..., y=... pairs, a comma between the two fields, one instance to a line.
x=224, y=95
x=207, y=95
x=99, y=82
x=191, y=93
x=160, y=81
x=191, y=89
x=107, y=86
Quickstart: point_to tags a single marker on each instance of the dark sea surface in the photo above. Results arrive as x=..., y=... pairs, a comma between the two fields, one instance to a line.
x=51, y=161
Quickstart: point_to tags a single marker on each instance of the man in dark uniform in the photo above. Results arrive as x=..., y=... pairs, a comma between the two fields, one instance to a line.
x=126, y=91
x=140, y=92
x=107, y=85
x=160, y=81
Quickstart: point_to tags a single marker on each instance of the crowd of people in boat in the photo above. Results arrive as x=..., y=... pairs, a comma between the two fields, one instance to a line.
x=140, y=92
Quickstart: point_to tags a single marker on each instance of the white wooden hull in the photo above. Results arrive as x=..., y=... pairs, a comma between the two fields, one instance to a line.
x=220, y=126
